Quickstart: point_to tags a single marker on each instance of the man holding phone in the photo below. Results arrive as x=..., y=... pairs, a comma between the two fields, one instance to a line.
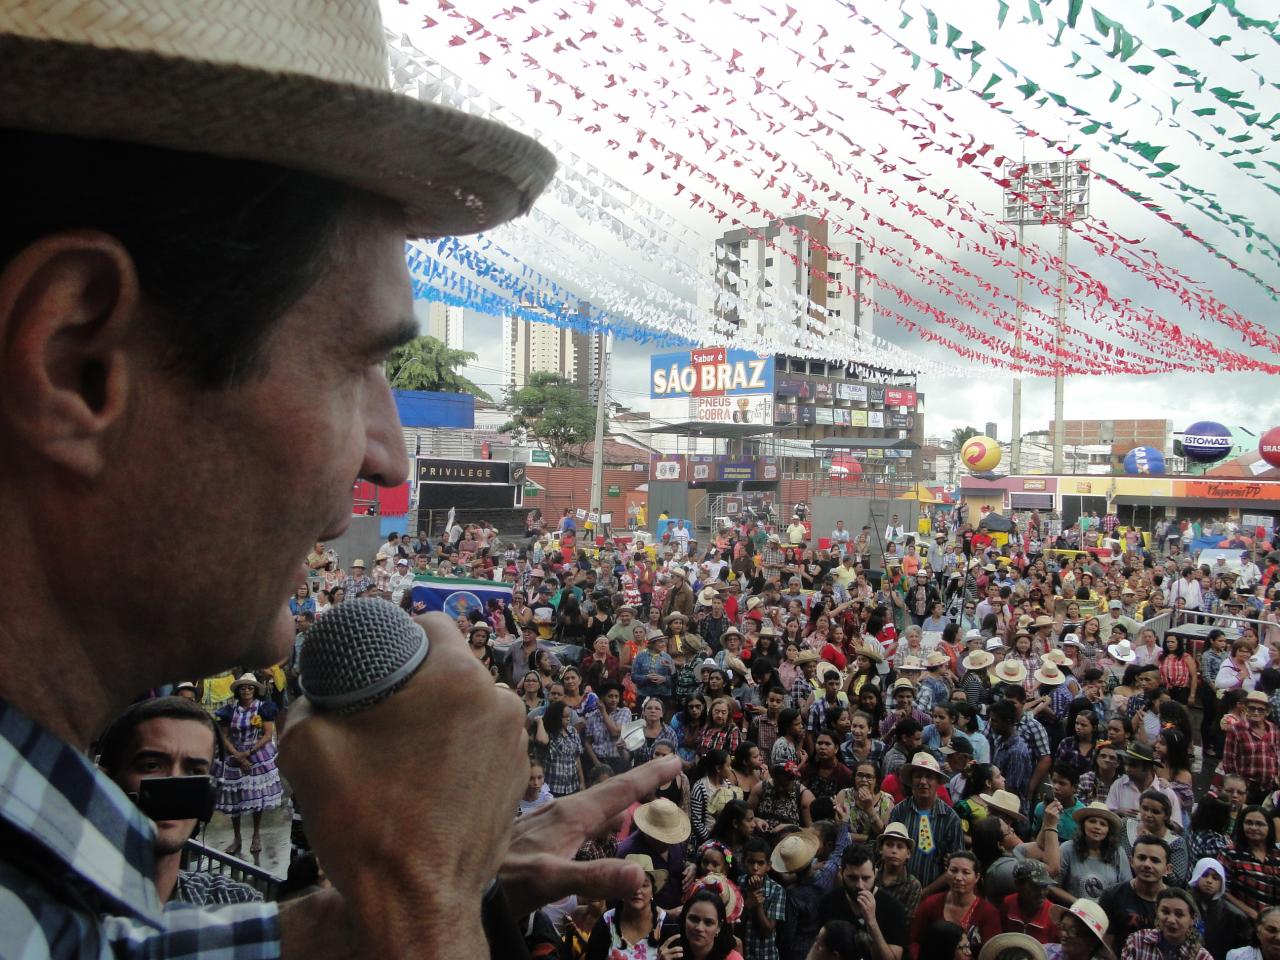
x=168, y=744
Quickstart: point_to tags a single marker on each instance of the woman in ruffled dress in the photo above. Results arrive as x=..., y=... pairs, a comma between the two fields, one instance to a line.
x=249, y=780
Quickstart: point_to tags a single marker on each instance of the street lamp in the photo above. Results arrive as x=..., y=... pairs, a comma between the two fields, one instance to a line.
x=1041, y=193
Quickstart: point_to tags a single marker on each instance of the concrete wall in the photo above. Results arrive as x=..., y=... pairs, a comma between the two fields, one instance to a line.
x=669, y=495
x=361, y=541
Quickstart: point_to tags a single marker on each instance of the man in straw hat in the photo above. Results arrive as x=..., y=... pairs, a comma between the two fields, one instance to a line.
x=932, y=825
x=203, y=236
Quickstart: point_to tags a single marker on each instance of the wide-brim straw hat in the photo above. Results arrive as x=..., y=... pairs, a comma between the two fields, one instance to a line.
x=248, y=679
x=896, y=831
x=871, y=653
x=706, y=595
x=1010, y=671
x=921, y=763
x=936, y=658
x=825, y=668
x=1050, y=675
x=807, y=656
x=301, y=84
x=794, y=852
x=656, y=874
x=673, y=616
x=1097, y=809
x=1002, y=801
x=1005, y=941
x=662, y=820
x=978, y=660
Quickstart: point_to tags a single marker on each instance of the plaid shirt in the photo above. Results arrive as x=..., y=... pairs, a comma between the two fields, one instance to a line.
x=1150, y=945
x=1253, y=755
x=603, y=743
x=94, y=841
x=209, y=889
x=756, y=946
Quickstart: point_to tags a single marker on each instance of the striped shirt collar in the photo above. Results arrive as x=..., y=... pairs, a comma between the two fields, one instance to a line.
x=91, y=832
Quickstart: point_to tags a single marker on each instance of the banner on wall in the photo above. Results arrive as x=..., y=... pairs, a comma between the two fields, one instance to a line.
x=823, y=391
x=795, y=387
x=877, y=395
x=876, y=419
x=711, y=385
x=857, y=418
x=899, y=397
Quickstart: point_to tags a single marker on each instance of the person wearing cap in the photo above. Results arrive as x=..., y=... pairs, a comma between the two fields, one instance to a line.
x=862, y=901
x=932, y=825
x=1027, y=909
x=400, y=580
x=1252, y=749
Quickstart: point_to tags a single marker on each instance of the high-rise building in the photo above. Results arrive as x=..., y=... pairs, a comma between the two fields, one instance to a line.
x=851, y=294
x=445, y=324
x=532, y=347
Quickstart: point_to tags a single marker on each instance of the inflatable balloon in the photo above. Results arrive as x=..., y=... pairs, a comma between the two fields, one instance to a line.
x=1269, y=446
x=1144, y=460
x=1206, y=441
x=980, y=454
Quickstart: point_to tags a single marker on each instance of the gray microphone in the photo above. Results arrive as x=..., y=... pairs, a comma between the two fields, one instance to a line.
x=359, y=653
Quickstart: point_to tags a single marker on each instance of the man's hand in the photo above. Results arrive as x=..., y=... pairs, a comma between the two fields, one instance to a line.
x=539, y=866
x=413, y=882
x=867, y=904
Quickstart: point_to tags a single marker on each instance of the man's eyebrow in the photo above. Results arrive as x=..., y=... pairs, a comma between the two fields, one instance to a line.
x=405, y=329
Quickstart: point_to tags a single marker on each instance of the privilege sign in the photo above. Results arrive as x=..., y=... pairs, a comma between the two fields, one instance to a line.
x=431, y=470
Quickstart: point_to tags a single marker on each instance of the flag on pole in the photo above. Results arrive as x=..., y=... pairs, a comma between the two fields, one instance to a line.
x=457, y=597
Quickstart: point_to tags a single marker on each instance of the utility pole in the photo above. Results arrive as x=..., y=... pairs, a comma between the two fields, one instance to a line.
x=597, y=458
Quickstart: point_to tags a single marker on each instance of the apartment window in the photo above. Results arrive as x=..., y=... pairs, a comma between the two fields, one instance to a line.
x=835, y=276
x=768, y=261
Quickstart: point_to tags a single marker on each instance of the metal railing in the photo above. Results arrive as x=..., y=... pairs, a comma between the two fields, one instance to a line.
x=198, y=857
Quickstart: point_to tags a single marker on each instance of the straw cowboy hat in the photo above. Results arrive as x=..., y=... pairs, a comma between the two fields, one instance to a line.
x=911, y=663
x=795, y=852
x=737, y=666
x=871, y=653
x=1010, y=671
x=807, y=656
x=1097, y=809
x=706, y=595
x=921, y=763
x=1091, y=915
x=978, y=660
x=301, y=84
x=662, y=820
x=896, y=831
x=1009, y=941
x=1056, y=656
x=249, y=680
x=1002, y=801
x=673, y=616
x=1050, y=675
x=936, y=658
x=826, y=669
x=1041, y=622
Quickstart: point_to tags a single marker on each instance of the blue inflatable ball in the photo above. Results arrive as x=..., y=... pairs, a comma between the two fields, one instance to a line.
x=1206, y=441
x=1144, y=460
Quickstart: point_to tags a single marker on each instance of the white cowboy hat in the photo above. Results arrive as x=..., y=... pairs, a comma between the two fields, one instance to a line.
x=1122, y=652
x=1002, y=801
x=1091, y=915
x=707, y=595
x=632, y=734
x=911, y=663
x=302, y=85
x=1050, y=674
x=248, y=679
x=921, y=763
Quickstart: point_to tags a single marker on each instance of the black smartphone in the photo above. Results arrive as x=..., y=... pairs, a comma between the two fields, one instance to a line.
x=177, y=798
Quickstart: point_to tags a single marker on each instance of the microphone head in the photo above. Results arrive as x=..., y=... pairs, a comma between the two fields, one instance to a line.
x=359, y=653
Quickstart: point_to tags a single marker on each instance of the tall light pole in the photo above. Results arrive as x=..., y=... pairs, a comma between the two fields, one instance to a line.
x=1042, y=193
x=597, y=456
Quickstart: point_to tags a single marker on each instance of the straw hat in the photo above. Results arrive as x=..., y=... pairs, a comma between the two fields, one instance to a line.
x=730, y=632
x=249, y=680
x=1050, y=674
x=753, y=602
x=706, y=595
x=1090, y=914
x=936, y=658
x=358, y=565
x=1041, y=622
x=795, y=852
x=1257, y=696
x=673, y=616
x=921, y=763
x=1002, y=801
x=1122, y=652
x=1097, y=809
x=896, y=831
x=735, y=664
x=871, y=653
x=662, y=820
x=902, y=683
x=911, y=663
x=1010, y=671
x=1057, y=657
x=978, y=660
x=1005, y=941
x=807, y=656
x=826, y=669
x=656, y=874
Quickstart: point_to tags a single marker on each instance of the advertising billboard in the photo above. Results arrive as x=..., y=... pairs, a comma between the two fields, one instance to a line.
x=857, y=418
x=711, y=385
x=877, y=395
x=784, y=413
x=899, y=397
x=823, y=391
x=826, y=416
x=795, y=387
x=876, y=419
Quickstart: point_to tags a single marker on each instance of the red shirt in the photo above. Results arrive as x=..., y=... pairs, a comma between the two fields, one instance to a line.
x=1039, y=926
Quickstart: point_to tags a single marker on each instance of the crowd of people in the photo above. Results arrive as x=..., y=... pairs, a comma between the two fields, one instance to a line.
x=975, y=749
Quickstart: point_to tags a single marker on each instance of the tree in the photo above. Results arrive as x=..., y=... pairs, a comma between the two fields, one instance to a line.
x=960, y=435
x=551, y=412
x=425, y=363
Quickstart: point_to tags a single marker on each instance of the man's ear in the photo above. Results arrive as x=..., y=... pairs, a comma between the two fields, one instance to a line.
x=67, y=305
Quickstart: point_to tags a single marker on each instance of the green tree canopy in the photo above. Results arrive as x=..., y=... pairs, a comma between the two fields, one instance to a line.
x=960, y=435
x=552, y=413
x=425, y=363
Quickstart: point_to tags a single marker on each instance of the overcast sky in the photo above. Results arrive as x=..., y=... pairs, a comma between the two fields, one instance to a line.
x=1248, y=400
